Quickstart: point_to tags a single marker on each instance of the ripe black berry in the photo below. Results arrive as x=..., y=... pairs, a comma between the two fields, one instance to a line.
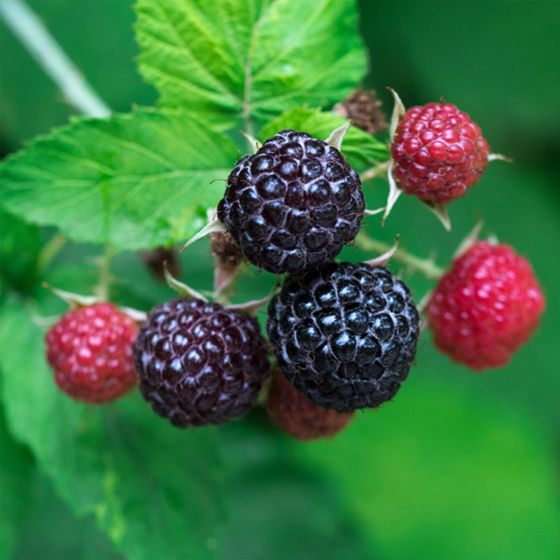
x=344, y=334
x=199, y=363
x=294, y=204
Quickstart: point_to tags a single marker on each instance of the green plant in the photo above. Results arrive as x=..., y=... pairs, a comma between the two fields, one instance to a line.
x=84, y=198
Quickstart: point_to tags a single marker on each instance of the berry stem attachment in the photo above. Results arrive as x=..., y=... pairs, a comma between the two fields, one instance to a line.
x=102, y=289
x=379, y=170
x=337, y=136
x=182, y=289
x=426, y=267
x=499, y=157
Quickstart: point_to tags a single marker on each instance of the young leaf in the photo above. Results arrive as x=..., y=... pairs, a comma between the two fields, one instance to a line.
x=246, y=61
x=361, y=149
x=152, y=488
x=136, y=181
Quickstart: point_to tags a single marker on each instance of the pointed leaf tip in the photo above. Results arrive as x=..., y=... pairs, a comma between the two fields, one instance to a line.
x=254, y=144
x=469, y=240
x=383, y=259
x=441, y=213
x=398, y=111
x=72, y=299
x=337, y=136
x=499, y=157
x=368, y=213
x=135, y=314
x=394, y=192
x=252, y=307
x=179, y=287
x=213, y=225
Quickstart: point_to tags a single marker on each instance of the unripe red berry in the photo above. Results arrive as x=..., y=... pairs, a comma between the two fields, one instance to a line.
x=438, y=153
x=486, y=306
x=90, y=351
x=298, y=416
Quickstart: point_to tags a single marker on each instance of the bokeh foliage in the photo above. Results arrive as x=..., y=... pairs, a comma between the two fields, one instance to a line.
x=458, y=466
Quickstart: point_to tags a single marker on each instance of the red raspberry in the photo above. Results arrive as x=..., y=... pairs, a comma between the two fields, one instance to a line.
x=438, y=153
x=90, y=351
x=486, y=306
x=296, y=414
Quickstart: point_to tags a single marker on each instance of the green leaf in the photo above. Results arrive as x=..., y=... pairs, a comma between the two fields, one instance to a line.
x=249, y=60
x=443, y=472
x=16, y=472
x=20, y=244
x=362, y=149
x=136, y=181
x=152, y=488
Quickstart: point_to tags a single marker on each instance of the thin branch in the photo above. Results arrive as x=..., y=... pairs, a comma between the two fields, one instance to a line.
x=427, y=267
x=104, y=276
x=30, y=30
x=50, y=251
x=379, y=170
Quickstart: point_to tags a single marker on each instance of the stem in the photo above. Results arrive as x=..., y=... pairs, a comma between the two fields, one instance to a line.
x=248, y=83
x=379, y=170
x=50, y=251
x=33, y=34
x=248, y=122
x=427, y=267
x=25, y=24
x=102, y=289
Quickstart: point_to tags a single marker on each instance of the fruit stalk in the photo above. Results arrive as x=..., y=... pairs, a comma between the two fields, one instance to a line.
x=102, y=289
x=427, y=267
x=30, y=30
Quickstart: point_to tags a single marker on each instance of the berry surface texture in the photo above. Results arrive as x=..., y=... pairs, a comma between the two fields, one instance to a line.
x=199, y=363
x=345, y=334
x=292, y=205
x=438, y=153
x=486, y=306
x=90, y=351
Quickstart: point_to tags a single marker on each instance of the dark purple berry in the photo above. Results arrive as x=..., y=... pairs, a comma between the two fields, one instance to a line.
x=345, y=334
x=199, y=363
x=294, y=204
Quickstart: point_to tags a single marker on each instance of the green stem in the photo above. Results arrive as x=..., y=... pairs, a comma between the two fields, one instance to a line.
x=49, y=251
x=102, y=290
x=379, y=170
x=427, y=267
x=34, y=36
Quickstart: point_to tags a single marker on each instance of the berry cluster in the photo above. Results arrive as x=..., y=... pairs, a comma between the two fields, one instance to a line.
x=344, y=335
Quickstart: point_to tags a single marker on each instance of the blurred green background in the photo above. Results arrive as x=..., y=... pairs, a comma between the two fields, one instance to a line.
x=460, y=465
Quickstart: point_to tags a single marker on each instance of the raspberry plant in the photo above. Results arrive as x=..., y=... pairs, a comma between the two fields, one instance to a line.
x=263, y=138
